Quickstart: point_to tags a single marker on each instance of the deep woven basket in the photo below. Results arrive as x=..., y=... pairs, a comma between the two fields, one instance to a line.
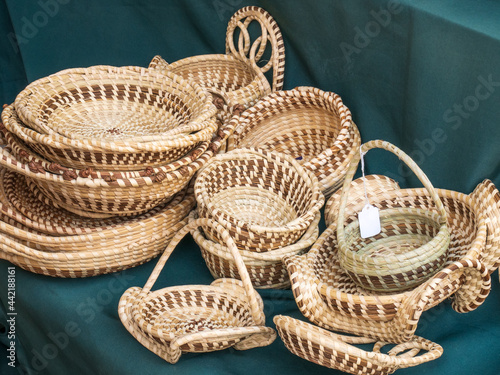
x=235, y=78
x=73, y=247
x=338, y=352
x=328, y=297
x=196, y=318
x=412, y=244
x=113, y=118
x=266, y=270
x=266, y=200
x=101, y=195
x=312, y=125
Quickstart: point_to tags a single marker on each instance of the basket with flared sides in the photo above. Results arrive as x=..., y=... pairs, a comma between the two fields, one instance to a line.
x=312, y=125
x=336, y=351
x=235, y=78
x=42, y=239
x=119, y=118
x=266, y=269
x=196, y=318
x=412, y=244
x=328, y=297
x=106, y=194
x=266, y=200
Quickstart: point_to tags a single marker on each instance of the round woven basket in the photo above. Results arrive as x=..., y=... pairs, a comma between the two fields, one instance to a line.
x=412, y=244
x=196, y=318
x=266, y=269
x=266, y=200
x=312, y=125
x=107, y=117
x=237, y=76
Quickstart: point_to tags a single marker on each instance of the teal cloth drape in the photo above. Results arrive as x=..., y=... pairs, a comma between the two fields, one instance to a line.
x=423, y=75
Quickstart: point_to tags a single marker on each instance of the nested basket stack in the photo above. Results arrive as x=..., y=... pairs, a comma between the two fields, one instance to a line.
x=329, y=297
x=312, y=125
x=236, y=79
x=102, y=159
x=269, y=204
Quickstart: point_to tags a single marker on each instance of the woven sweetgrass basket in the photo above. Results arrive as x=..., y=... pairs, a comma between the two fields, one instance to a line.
x=328, y=297
x=196, y=318
x=235, y=78
x=266, y=269
x=113, y=118
x=412, y=244
x=312, y=125
x=338, y=352
x=266, y=200
x=72, y=246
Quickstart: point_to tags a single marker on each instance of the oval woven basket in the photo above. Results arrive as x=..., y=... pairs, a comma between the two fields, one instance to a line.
x=266, y=269
x=108, y=196
x=266, y=200
x=109, y=116
x=96, y=250
x=338, y=352
x=328, y=297
x=312, y=125
x=196, y=318
x=236, y=76
x=412, y=244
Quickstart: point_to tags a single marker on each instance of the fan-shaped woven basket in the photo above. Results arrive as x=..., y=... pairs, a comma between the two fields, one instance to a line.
x=196, y=318
x=235, y=78
x=75, y=247
x=412, y=244
x=312, y=125
x=336, y=351
x=113, y=118
x=266, y=200
x=266, y=269
x=328, y=297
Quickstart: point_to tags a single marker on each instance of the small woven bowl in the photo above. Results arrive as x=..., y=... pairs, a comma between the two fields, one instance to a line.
x=312, y=125
x=266, y=200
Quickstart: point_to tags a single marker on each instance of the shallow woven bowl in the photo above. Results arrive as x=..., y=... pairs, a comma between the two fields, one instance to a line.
x=266, y=269
x=108, y=116
x=312, y=125
x=266, y=200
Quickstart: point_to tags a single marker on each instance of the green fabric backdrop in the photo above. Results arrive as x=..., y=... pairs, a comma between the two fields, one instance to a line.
x=423, y=75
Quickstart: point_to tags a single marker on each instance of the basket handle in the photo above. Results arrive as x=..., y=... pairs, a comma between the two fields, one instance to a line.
x=252, y=52
x=402, y=156
x=257, y=313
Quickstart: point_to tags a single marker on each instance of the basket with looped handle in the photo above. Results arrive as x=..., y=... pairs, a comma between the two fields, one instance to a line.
x=266, y=200
x=411, y=246
x=113, y=118
x=235, y=78
x=312, y=125
x=103, y=194
x=196, y=318
x=266, y=269
x=43, y=239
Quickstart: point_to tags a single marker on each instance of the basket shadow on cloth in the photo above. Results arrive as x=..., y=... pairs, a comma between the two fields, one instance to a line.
x=312, y=125
x=235, y=78
x=196, y=318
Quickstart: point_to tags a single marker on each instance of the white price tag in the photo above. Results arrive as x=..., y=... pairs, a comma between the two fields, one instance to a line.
x=369, y=221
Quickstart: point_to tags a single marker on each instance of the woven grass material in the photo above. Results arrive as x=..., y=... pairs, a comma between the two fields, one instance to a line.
x=328, y=297
x=91, y=196
x=196, y=318
x=266, y=200
x=236, y=76
x=266, y=269
x=412, y=244
x=312, y=125
x=336, y=351
x=116, y=109
x=77, y=248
